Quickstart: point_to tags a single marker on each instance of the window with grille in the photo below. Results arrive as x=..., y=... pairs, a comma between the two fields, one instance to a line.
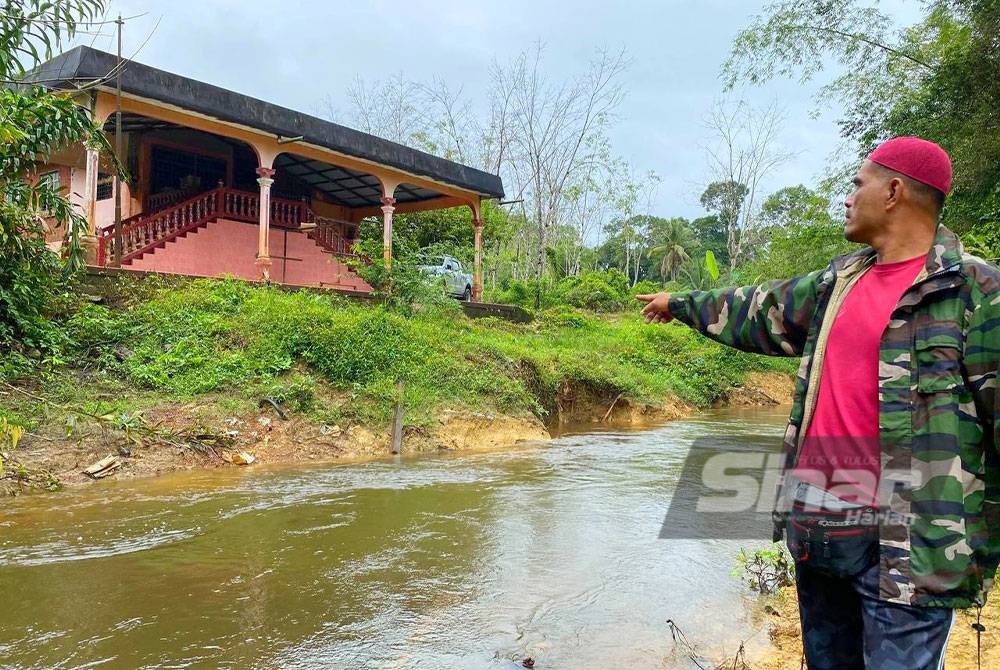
x=50, y=179
x=105, y=186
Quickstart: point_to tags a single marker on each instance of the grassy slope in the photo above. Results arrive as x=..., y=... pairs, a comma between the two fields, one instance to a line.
x=184, y=340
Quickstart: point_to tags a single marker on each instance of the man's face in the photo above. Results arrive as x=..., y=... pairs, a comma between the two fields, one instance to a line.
x=866, y=205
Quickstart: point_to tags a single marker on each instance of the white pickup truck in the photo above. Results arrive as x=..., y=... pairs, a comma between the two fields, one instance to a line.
x=449, y=272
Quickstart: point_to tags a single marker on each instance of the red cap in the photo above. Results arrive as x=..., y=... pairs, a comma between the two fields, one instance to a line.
x=918, y=159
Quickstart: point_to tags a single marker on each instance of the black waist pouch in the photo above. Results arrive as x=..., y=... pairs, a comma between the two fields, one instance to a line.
x=838, y=543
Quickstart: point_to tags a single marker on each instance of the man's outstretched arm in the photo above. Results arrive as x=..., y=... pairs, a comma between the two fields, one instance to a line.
x=771, y=319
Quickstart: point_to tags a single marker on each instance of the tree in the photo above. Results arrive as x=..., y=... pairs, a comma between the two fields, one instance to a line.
x=724, y=199
x=799, y=236
x=547, y=139
x=744, y=154
x=33, y=123
x=710, y=235
x=552, y=131
x=673, y=242
x=795, y=205
x=939, y=79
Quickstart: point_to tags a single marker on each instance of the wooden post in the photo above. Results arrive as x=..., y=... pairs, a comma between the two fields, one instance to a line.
x=397, y=420
x=119, y=251
x=477, y=261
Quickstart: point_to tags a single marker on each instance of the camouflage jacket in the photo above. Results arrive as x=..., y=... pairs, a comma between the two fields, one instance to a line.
x=938, y=368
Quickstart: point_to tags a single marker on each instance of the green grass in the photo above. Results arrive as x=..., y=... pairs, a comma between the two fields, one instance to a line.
x=182, y=341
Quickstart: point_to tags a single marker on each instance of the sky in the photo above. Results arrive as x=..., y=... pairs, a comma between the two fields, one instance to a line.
x=302, y=53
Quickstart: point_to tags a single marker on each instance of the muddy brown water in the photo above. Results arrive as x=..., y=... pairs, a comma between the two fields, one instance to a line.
x=459, y=561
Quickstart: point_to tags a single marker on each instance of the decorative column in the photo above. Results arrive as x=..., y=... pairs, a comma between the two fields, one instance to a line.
x=477, y=261
x=388, y=207
x=90, y=191
x=265, y=179
x=89, y=239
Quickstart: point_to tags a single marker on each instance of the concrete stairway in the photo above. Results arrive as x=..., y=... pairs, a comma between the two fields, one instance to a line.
x=225, y=247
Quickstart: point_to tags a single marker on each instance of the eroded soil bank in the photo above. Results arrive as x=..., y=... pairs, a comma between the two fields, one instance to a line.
x=202, y=434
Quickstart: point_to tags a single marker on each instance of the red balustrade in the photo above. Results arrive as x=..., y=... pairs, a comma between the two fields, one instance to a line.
x=142, y=233
x=287, y=213
x=240, y=205
x=155, y=203
x=335, y=236
x=145, y=231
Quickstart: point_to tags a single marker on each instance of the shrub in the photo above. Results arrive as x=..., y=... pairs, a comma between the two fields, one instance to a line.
x=606, y=291
x=766, y=570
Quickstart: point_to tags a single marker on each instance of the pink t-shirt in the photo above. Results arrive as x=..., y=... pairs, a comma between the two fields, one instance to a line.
x=841, y=448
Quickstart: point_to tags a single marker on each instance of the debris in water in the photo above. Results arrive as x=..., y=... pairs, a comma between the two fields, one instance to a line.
x=103, y=467
x=243, y=458
x=529, y=662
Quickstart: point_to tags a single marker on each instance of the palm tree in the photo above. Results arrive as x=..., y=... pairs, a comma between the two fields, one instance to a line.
x=675, y=238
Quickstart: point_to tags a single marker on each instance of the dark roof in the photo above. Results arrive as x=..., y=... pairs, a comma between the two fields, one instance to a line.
x=86, y=64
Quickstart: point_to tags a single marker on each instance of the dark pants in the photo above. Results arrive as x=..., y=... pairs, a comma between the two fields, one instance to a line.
x=846, y=627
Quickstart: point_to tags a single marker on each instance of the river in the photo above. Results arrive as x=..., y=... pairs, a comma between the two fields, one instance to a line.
x=460, y=561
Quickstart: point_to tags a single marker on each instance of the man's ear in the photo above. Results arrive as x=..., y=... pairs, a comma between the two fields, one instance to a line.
x=894, y=192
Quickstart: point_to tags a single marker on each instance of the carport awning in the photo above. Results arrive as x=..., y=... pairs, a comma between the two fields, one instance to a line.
x=345, y=186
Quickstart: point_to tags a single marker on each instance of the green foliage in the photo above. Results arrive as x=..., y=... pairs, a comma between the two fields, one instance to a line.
x=674, y=240
x=255, y=342
x=33, y=123
x=401, y=286
x=799, y=236
x=938, y=79
x=711, y=266
x=983, y=239
x=795, y=206
x=521, y=293
x=295, y=392
x=31, y=275
x=710, y=235
x=29, y=29
x=606, y=291
x=644, y=286
x=794, y=251
x=700, y=273
x=766, y=570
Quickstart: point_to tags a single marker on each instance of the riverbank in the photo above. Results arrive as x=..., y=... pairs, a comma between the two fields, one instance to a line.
x=165, y=375
x=206, y=433
x=782, y=619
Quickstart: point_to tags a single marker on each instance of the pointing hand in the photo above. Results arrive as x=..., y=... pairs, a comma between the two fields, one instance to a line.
x=657, y=308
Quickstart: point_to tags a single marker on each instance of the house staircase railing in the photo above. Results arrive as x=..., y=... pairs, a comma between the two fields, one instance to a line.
x=145, y=232
x=330, y=234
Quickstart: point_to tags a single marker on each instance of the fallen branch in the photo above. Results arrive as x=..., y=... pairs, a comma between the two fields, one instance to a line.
x=613, y=403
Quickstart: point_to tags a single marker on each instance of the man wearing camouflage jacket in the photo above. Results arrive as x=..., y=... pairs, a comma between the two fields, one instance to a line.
x=933, y=371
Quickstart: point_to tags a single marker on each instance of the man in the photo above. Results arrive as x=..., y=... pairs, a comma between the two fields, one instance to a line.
x=894, y=413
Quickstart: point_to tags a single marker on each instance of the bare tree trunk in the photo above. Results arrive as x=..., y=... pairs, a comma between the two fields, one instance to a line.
x=744, y=154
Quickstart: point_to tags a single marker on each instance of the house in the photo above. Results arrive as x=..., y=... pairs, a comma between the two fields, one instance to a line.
x=225, y=184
